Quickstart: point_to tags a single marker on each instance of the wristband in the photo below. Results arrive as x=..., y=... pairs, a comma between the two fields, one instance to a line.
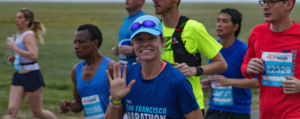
x=113, y=105
x=114, y=102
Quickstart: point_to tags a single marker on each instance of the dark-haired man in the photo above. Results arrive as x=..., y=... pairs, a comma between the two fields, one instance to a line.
x=90, y=85
x=273, y=54
x=186, y=39
x=229, y=99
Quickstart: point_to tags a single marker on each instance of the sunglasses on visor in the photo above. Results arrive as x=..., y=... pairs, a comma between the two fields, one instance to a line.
x=146, y=23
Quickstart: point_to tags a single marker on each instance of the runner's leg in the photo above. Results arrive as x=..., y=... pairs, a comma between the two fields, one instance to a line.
x=16, y=97
x=36, y=102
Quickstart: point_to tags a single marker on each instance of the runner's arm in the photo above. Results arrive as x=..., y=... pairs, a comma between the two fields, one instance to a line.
x=115, y=50
x=249, y=55
x=244, y=83
x=221, y=80
x=30, y=43
x=186, y=100
x=76, y=106
x=115, y=112
x=126, y=49
x=196, y=114
x=218, y=65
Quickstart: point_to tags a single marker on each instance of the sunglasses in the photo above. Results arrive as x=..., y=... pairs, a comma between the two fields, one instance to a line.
x=146, y=23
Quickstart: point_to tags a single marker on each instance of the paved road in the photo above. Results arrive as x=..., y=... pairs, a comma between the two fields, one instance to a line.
x=254, y=114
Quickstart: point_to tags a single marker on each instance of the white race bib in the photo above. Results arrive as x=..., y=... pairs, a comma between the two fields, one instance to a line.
x=222, y=95
x=123, y=59
x=276, y=66
x=92, y=107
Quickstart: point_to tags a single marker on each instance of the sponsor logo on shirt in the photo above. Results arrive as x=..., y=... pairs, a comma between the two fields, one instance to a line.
x=271, y=56
x=277, y=56
x=282, y=57
x=90, y=99
x=85, y=100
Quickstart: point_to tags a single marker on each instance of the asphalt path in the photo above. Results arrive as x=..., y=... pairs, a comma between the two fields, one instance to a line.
x=254, y=114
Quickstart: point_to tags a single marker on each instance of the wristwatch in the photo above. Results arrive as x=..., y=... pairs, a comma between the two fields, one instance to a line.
x=199, y=71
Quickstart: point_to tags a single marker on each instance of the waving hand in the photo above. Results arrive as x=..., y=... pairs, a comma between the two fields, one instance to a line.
x=118, y=87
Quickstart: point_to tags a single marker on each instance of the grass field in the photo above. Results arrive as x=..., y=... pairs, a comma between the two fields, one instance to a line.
x=57, y=55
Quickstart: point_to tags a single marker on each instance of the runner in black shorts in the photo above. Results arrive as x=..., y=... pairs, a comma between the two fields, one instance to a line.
x=31, y=81
x=28, y=79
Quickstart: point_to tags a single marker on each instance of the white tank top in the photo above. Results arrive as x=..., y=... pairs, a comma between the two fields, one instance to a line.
x=21, y=45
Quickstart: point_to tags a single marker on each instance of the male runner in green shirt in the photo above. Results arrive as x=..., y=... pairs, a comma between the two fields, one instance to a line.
x=195, y=40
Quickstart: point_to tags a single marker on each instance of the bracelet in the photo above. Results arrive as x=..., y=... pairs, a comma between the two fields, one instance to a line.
x=114, y=102
x=113, y=105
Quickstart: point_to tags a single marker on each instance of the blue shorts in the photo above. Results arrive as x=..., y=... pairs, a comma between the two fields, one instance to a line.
x=30, y=81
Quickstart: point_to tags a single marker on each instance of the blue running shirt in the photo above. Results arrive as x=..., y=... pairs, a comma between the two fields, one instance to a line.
x=232, y=99
x=168, y=96
x=124, y=35
x=95, y=92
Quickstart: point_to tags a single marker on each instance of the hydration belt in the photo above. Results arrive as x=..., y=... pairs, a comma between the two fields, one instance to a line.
x=29, y=63
x=180, y=54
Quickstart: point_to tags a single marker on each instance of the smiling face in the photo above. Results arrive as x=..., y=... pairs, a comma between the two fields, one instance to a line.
x=225, y=26
x=147, y=47
x=21, y=21
x=84, y=47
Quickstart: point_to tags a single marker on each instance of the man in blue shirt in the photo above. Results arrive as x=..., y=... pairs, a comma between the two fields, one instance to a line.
x=229, y=97
x=90, y=85
x=125, y=50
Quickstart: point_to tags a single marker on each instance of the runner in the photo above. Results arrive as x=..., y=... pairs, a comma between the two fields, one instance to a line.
x=90, y=85
x=229, y=99
x=125, y=50
x=186, y=39
x=273, y=54
x=152, y=89
x=28, y=79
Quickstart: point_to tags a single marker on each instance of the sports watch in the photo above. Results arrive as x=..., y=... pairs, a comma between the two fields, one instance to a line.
x=199, y=71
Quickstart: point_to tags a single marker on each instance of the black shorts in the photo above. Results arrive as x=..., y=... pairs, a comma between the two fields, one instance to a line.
x=217, y=114
x=203, y=113
x=31, y=81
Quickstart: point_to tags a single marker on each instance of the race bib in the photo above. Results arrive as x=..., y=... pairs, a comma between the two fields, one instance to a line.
x=92, y=107
x=222, y=95
x=123, y=58
x=276, y=66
